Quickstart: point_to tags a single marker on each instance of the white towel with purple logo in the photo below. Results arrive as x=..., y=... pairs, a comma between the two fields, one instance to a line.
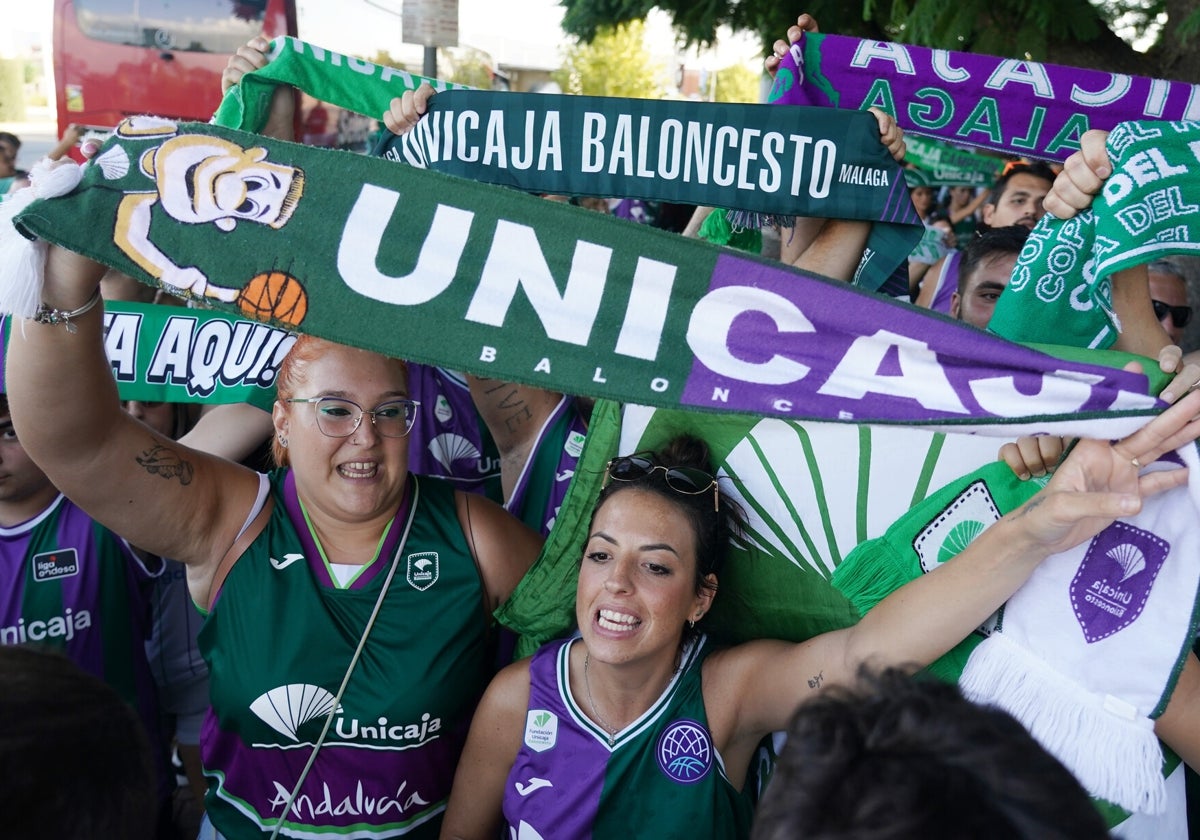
x=1089, y=649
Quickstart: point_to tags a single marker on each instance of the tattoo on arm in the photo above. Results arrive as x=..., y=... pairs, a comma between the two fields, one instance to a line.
x=161, y=460
x=517, y=412
x=1033, y=503
x=815, y=682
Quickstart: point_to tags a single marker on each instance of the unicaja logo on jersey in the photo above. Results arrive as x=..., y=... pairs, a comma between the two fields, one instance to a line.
x=685, y=751
x=541, y=730
x=422, y=570
x=288, y=707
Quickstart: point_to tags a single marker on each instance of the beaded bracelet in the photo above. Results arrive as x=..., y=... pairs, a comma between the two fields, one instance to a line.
x=49, y=315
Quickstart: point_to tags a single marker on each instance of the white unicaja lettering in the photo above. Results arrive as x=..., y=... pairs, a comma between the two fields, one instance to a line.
x=712, y=322
x=358, y=250
x=921, y=377
x=649, y=299
x=516, y=261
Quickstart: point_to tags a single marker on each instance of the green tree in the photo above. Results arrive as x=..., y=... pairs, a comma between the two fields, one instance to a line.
x=736, y=83
x=1082, y=33
x=614, y=63
x=466, y=66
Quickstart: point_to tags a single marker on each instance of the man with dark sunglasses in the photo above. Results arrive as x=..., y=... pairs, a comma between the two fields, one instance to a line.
x=1169, y=295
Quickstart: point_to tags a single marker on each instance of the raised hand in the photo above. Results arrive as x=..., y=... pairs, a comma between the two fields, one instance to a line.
x=1100, y=481
x=804, y=23
x=1081, y=178
x=404, y=112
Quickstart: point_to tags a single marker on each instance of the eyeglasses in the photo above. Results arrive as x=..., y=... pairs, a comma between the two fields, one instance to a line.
x=1180, y=315
x=687, y=480
x=339, y=418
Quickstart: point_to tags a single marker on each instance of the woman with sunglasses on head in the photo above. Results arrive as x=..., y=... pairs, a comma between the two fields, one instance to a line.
x=636, y=727
x=349, y=602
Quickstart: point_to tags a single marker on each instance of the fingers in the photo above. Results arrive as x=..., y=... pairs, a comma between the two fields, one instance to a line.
x=1075, y=507
x=771, y=64
x=1158, y=481
x=891, y=134
x=1033, y=455
x=804, y=23
x=1169, y=358
x=1170, y=430
x=1081, y=178
x=1093, y=147
x=405, y=111
x=1187, y=379
x=248, y=58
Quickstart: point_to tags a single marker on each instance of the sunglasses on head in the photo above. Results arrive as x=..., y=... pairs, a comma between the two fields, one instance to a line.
x=1180, y=315
x=686, y=480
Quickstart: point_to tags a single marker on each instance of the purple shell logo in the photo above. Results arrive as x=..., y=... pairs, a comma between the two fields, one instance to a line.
x=685, y=751
x=1110, y=588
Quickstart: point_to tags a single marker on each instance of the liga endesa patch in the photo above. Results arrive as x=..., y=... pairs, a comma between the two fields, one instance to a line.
x=55, y=565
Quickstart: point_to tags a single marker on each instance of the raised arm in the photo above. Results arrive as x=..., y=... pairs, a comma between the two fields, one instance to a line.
x=834, y=247
x=762, y=682
x=158, y=494
x=514, y=415
x=253, y=56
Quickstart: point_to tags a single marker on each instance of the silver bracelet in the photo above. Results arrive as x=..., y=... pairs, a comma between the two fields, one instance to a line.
x=49, y=315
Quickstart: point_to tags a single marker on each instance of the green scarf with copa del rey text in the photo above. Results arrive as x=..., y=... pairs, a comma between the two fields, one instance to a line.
x=1061, y=289
x=763, y=161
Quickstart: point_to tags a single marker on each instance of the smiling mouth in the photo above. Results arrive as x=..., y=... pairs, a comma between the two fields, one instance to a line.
x=616, y=621
x=358, y=469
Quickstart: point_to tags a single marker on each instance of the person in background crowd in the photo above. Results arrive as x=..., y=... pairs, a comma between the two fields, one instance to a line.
x=71, y=585
x=1015, y=199
x=962, y=209
x=11, y=178
x=1169, y=297
x=986, y=267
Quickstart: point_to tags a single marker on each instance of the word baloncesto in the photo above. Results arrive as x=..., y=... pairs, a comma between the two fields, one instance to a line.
x=695, y=151
x=745, y=156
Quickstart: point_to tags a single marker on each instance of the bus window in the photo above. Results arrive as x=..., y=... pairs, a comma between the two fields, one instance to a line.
x=117, y=58
x=195, y=26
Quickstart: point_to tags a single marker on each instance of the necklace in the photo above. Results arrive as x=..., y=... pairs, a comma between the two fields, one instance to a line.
x=587, y=685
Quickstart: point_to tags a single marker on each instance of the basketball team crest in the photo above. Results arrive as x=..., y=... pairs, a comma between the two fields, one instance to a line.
x=685, y=752
x=1112, y=584
x=422, y=570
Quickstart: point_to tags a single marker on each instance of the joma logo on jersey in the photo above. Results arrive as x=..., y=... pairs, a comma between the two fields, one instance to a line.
x=422, y=570
x=52, y=565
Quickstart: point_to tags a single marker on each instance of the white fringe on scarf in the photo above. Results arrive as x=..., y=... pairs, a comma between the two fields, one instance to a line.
x=22, y=260
x=1111, y=749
